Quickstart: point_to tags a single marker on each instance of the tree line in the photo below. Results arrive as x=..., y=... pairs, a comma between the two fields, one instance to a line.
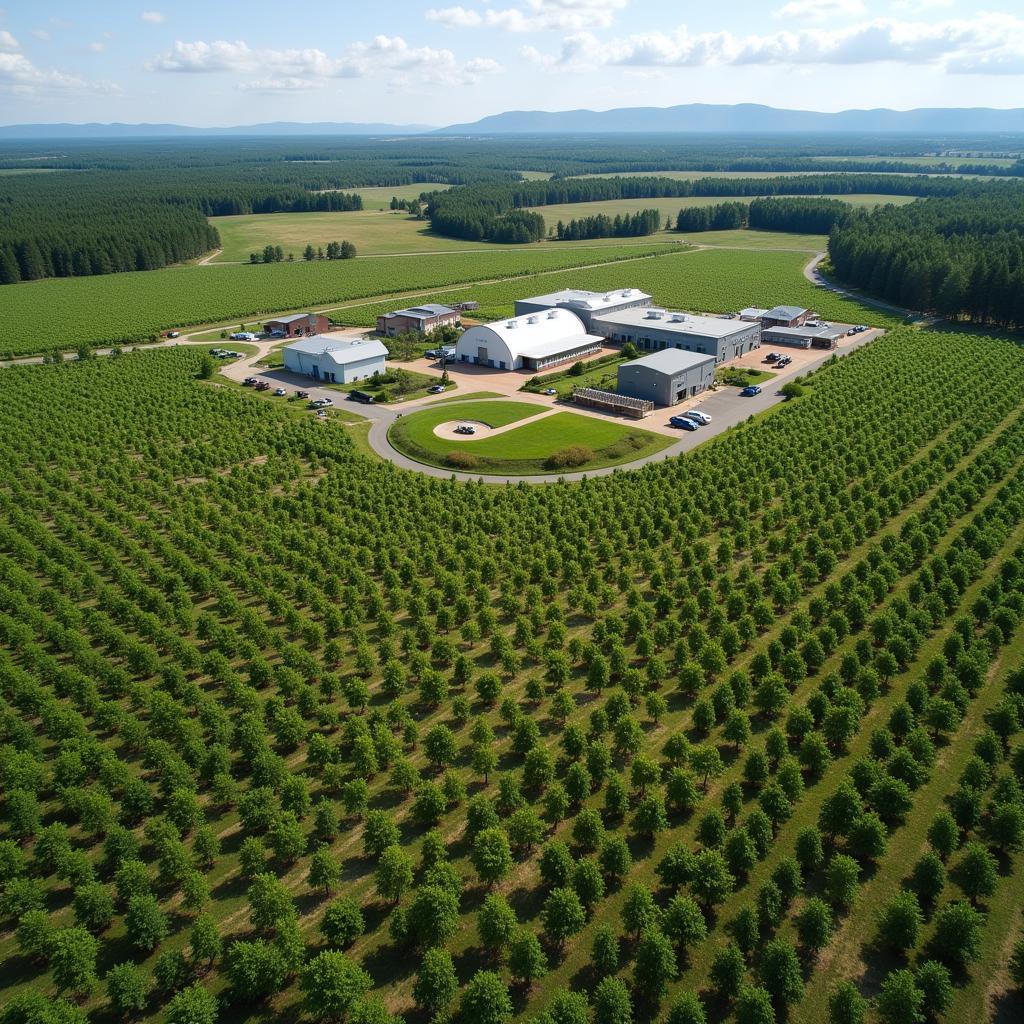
x=334, y=251
x=643, y=222
x=470, y=211
x=801, y=214
x=962, y=258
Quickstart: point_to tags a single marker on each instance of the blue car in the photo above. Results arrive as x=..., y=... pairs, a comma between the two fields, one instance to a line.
x=750, y=390
x=682, y=421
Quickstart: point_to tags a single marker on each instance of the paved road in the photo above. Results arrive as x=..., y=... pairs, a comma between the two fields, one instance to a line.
x=725, y=406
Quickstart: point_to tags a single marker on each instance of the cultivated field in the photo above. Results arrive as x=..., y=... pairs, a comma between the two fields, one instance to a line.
x=700, y=741
x=129, y=307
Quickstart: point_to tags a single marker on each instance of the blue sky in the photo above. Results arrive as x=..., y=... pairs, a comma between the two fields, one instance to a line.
x=434, y=62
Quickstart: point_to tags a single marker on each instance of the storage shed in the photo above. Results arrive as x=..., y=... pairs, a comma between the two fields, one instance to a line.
x=666, y=377
x=826, y=336
x=336, y=360
x=298, y=325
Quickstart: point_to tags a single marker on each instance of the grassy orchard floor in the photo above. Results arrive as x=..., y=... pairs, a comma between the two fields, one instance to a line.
x=526, y=449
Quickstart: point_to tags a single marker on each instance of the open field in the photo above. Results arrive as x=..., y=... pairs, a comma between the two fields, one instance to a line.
x=265, y=700
x=379, y=198
x=747, y=238
x=129, y=307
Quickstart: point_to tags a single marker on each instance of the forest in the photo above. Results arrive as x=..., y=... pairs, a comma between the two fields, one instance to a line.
x=285, y=733
x=802, y=215
x=471, y=212
x=643, y=222
x=962, y=258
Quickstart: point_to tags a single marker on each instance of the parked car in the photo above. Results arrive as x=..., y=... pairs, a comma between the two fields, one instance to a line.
x=302, y=394
x=361, y=396
x=437, y=389
x=784, y=361
x=465, y=428
x=262, y=385
x=248, y=382
x=750, y=390
x=683, y=422
x=860, y=328
x=772, y=357
x=242, y=336
x=174, y=334
x=321, y=403
x=550, y=391
x=701, y=417
x=280, y=392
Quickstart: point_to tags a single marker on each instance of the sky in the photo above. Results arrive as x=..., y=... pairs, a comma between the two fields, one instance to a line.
x=227, y=62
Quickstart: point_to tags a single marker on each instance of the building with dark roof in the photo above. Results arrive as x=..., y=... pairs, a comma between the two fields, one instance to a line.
x=298, y=325
x=666, y=377
x=416, y=318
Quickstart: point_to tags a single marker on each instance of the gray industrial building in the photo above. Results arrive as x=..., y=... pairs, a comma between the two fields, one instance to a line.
x=586, y=305
x=825, y=336
x=666, y=377
x=657, y=329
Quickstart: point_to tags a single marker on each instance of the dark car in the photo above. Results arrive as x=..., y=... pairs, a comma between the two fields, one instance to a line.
x=361, y=396
x=750, y=390
x=683, y=422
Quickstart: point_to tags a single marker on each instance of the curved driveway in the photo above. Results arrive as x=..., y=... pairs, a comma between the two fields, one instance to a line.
x=725, y=406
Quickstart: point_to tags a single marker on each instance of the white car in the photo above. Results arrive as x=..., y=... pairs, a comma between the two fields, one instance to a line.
x=280, y=392
x=701, y=417
x=465, y=428
x=243, y=336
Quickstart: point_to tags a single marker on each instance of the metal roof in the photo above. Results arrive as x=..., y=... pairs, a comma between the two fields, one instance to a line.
x=656, y=319
x=671, y=361
x=290, y=319
x=805, y=332
x=422, y=312
x=338, y=350
x=595, y=301
x=785, y=312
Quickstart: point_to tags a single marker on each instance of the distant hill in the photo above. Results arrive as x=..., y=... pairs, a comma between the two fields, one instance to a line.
x=149, y=131
x=743, y=117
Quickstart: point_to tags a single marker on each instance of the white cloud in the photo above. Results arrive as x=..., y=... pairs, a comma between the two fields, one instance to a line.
x=534, y=16
x=482, y=66
x=97, y=47
x=986, y=44
x=19, y=75
x=8, y=44
x=153, y=17
x=455, y=17
x=919, y=6
x=280, y=85
x=820, y=10
x=358, y=60
x=41, y=33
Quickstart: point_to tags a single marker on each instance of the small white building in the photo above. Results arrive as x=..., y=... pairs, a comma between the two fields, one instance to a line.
x=337, y=360
x=534, y=341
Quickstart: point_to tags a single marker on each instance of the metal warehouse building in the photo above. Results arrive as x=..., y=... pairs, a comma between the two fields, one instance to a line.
x=531, y=342
x=804, y=337
x=657, y=329
x=666, y=377
x=337, y=360
x=586, y=305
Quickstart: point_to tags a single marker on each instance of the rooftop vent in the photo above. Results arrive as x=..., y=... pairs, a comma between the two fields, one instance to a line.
x=678, y=318
x=534, y=319
x=552, y=313
x=510, y=324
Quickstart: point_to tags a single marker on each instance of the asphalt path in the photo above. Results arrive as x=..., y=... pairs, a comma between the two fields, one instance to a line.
x=726, y=407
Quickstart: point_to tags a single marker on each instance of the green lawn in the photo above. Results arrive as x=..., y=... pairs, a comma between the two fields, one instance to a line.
x=526, y=449
x=379, y=197
x=597, y=374
x=741, y=376
x=384, y=390
x=749, y=238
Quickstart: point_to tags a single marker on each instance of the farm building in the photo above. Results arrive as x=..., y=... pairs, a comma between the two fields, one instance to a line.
x=586, y=305
x=666, y=377
x=337, y=360
x=804, y=337
x=752, y=313
x=417, y=318
x=531, y=342
x=786, y=316
x=298, y=325
x=657, y=329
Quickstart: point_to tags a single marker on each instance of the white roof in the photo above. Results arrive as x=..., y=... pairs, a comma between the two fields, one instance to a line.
x=827, y=331
x=589, y=300
x=341, y=350
x=671, y=360
x=677, y=323
x=755, y=312
x=536, y=335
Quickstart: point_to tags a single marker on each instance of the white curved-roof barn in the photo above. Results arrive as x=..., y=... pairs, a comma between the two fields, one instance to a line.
x=532, y=340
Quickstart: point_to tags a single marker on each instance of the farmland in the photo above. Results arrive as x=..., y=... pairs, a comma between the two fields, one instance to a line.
x=278, y=730
x=130, y=307
x=703, y=280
